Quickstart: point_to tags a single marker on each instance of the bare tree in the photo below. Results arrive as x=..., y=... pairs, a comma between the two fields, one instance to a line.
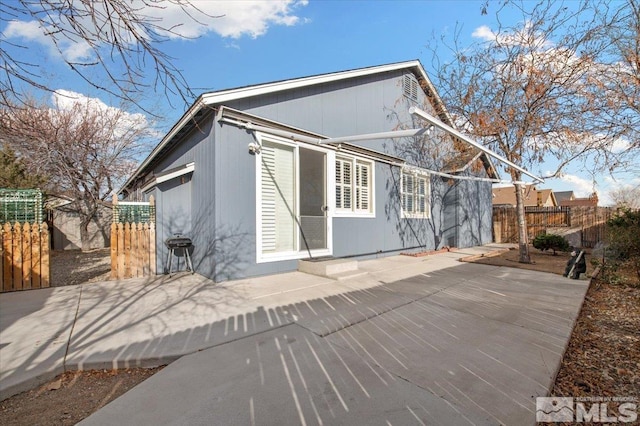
x=619, y=25
x=529, y=91
x=627, y=196
x=84, y=148
x=121, y=39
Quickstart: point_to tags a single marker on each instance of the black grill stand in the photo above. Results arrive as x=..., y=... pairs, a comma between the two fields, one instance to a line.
x=179, y=243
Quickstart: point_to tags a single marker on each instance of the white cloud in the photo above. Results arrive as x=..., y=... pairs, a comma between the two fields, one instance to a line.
x=485, y=33
x=235, y=18
x=28, y=30
x=228, y=19
x=581, y=186
x=32, y=31
x=620, y=145
x=66, y=100
x=524, y=37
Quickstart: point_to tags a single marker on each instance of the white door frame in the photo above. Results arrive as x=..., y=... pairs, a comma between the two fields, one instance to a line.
x=329, y=184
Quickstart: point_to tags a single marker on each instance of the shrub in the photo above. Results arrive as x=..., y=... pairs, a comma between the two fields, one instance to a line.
x=551, y=241
x=624, y=238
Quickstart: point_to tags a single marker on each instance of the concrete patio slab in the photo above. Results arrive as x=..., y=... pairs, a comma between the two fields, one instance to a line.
x=484, y=358
x=284, y=376
x=461, y=342
x=35, y=327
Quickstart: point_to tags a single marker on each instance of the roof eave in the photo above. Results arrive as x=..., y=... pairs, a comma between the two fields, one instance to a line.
x=186, y=117
x=217, y=98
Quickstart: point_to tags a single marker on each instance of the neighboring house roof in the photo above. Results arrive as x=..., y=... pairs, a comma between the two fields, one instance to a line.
x=209, y=102
x=54, y=201
x=506, y=196
x=564, y=196
x=591, y=201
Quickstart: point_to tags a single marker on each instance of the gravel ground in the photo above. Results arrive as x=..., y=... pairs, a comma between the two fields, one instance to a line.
x=72, y=267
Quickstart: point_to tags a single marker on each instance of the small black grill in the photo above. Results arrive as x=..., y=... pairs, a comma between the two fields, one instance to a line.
x=178, y=242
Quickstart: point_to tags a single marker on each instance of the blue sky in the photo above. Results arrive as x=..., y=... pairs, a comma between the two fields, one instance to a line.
x=261, y=41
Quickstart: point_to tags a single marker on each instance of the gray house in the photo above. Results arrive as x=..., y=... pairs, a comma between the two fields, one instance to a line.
x=327, y=166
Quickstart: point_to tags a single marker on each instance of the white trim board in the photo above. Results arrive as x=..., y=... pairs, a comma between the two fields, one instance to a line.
x=170, y=174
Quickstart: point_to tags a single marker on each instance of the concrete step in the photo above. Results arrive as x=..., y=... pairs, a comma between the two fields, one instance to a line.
x=328, y=268
x=347, y=275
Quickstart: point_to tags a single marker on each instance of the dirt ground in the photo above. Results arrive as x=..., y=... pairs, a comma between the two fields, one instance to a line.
x=70, y=397
x=541, y=261
x=602, y=358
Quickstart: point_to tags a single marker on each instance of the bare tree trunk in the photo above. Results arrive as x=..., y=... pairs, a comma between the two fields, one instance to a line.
x=84, y=234
x=523, y=238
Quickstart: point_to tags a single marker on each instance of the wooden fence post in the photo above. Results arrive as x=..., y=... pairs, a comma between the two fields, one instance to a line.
x=152, y=236
x=36, y=256
x=144, y=248
x=127, y=250
x=152, y=248
x=120, y=240
x=114, y=251
x=17, y=256
x=7, y=247
x=26, y=256
x=44, y=256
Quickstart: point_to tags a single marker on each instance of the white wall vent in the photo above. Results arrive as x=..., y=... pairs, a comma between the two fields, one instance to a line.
x=410, y=87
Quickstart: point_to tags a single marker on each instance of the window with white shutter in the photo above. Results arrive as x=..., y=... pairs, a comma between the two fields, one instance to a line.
x=415, y=195
x=354, y=187
x=343, y=184
x=362, y=185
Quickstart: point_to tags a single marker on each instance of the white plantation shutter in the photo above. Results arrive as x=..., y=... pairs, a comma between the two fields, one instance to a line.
x=278, y=198
x=343, y=183
x=421, y=192
x=407, y=193
x=415, y=195
x=354, y=186
x=363, y=189
x=268, y=157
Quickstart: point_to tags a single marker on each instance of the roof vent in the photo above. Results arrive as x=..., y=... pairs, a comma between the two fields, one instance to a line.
x=410, y=87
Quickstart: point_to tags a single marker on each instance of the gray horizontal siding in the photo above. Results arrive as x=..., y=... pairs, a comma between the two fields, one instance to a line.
x=221, y=197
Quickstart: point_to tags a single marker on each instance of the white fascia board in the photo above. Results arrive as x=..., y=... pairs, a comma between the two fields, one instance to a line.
x=262, y=89
x=172, y=174
x=186, y=117
x=187, y=168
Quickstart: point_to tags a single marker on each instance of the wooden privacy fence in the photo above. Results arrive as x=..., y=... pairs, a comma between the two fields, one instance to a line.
x=505, y=222
x=591, y=221
x=133, y=239
x=133, y=250
x=25, y=257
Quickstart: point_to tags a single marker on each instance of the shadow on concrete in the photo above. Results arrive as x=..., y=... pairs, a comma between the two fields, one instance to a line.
x=470, y=342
